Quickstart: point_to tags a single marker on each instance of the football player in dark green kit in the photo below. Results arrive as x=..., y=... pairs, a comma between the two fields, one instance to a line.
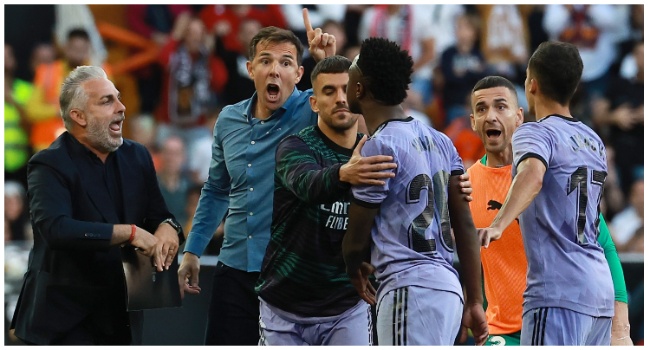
x=306, y=296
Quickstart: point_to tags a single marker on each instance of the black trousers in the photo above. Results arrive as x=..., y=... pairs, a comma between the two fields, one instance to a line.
x=233, y=316
x=86, y=333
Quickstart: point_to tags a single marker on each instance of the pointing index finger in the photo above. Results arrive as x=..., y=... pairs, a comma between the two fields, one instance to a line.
x=305, y=18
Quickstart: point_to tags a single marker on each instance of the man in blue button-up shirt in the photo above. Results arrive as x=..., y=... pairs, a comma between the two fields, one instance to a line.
x=240, y=181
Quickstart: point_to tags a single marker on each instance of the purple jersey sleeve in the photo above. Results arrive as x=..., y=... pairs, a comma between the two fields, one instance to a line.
x=373, y=195
x=531, y=140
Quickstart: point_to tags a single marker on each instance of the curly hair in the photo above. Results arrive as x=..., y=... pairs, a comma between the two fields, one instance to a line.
x=557, y=66
x=386, y=69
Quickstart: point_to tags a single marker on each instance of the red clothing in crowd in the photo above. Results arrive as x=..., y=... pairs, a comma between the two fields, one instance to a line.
x=267, y=15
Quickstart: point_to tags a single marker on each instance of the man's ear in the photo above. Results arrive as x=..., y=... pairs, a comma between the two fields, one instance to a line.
x=78, y=117
x=300, y=72
x=249, y=68
x=361, y=91
x=312, y=103
x=520, y=117
x=472, y=121
x=533, y=86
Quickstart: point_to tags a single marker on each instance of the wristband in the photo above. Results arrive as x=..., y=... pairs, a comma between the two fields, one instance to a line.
x=132, y=233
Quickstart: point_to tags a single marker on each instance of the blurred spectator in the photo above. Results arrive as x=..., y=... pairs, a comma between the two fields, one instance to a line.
x=626, y=65
x=618, y=115
x=200, y=153
x=70, y=17
x=332, y=27
x=635, y=244
x=17, y=149
x=504, y=44
x=414, y=107
x=193, y=76
x=318, y=15
x=636, y=25
x=173, y=182
x=154, y=22
x=595, y=30
x=43, y=106
x=443, y=19
x=239, y=85
x=16, y=213
x=536, y=30
x=412, y=31
x=24, y=26
x=223, y=20
x=467, y=142
x=626, y=223
x=613, y=198
x=351, y=52
x=143, y=129
x=351, y=21
x=461, y=66
x=43, y=53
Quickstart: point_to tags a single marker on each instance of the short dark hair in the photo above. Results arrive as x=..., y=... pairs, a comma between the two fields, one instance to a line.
x=330, y=65
x=275, y=35
x=557, y=67
x=492, y=81
x=78, y=33
x=386, y=69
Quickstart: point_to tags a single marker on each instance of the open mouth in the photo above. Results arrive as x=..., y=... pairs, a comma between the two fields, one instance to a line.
x=116, y=126
x=273, y=91
x=493, y=133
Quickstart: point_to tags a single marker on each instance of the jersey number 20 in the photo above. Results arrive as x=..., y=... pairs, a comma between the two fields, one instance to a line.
x=436, y=191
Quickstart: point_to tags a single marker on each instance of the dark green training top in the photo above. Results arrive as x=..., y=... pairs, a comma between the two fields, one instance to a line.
x=303, y=271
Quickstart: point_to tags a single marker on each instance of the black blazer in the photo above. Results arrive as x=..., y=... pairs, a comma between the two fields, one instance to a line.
x=74, y=274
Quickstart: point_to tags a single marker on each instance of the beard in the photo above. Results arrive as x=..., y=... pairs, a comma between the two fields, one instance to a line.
x=100, y=137
x=339, y=125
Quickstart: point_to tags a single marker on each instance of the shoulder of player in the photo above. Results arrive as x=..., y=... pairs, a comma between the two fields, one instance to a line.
x=474, y=168
x=535, y=127
x=300, y=140
x=235, y=111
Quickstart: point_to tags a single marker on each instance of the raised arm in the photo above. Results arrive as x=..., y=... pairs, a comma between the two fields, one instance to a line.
x=525, y=187
x=321, y=44
x=299, y=172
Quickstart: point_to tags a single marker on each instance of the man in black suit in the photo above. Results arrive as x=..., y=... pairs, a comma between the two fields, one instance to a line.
x=91, y=194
